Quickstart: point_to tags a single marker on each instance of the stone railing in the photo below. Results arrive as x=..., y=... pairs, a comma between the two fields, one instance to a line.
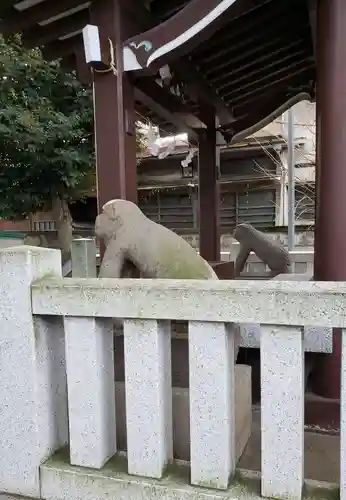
x=84, y=262
x=57, y=381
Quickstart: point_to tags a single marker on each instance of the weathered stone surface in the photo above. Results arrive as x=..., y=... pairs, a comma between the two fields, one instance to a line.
x=63, y=482
x=147, y=346
x=268, y=302
x=282, y=417
x=33, y=396
x=275, y=256
x=316, y=339
x=90, y=382
x=181, y=415
x=157, y=252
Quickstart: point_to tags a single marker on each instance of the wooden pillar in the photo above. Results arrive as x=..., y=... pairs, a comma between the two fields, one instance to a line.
x=208, y=190
x=115, y=140
x=330, y=230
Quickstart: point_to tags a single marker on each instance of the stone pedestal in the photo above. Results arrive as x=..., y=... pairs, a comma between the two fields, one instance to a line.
x=181, y=415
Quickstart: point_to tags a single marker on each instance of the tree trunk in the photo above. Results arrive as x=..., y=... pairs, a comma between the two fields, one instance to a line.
x=63, y=224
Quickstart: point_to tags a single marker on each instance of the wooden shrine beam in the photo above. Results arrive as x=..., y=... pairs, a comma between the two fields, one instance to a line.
x=183, y=32
x=313, y=23
x=187, y=73
x=208, y=188
x=273, y=19
x=182, y=67
x=274, y=66
x=162, y=94
x=165, y=104
x=269, y=52
x=257, y=111
x=5, y=5
x=162, y=10
x=177, y=36
x=41, y=35
x=14, y=21
x=246, y=47
x=251, y=95
x=159, y=99
x=160, y=110
x=289, y=87
x=61, y=48
x=263, y=111
x=114, y=112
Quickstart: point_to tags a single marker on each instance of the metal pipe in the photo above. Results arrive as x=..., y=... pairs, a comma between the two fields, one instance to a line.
x=290, y=181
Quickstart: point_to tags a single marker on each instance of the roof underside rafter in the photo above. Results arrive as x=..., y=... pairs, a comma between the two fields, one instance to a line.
x=246, y=68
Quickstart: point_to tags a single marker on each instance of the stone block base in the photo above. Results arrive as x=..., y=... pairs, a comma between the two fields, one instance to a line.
x=181, y=415
x=62, y=481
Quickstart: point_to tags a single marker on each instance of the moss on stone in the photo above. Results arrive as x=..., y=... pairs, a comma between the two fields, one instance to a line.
x=318, y=491
x=180, y=266
x=43, y=280
x=243, y=485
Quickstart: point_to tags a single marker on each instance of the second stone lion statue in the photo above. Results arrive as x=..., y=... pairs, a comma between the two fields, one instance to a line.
x=270, y=252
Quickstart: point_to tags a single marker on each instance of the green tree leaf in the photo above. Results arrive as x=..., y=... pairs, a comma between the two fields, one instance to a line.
x=46, y=132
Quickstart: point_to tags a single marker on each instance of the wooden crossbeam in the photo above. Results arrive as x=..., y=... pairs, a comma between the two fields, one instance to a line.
x=42, y=35
x=166, y=105
x=270, y=104
x=14, y=21
x=266, y=82
x=313, y=23
x=61, y=48
x=253, y=57
x=5, y=5
x=273, y=65
x=183, y=68
x=257, y=111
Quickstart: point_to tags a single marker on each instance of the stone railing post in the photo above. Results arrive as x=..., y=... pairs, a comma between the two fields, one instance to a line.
x=212, y=403
x=83, y=258
x=282, y=411
x=32, y=389
x=90, y=381
x=148, y=386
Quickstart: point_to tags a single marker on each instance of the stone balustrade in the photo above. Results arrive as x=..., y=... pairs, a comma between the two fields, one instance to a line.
x=57, y=381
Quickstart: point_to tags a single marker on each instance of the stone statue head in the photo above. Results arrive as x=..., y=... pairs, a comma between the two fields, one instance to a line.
x=121, y=209
x=104, y=227
x=115, y=214
x=242, y=230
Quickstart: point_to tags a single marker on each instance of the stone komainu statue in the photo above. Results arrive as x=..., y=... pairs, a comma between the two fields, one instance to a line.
x=276, y=257
x=135, y=242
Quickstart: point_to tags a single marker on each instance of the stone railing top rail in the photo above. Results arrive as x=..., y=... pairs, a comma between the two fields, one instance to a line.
x=266, y=302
